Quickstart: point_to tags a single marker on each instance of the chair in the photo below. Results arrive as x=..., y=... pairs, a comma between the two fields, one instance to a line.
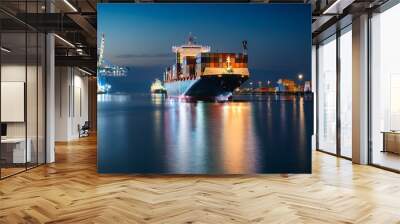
x=84, y=130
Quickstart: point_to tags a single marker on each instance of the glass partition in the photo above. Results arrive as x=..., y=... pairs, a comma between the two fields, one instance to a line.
x=327, y=95
x=13, y=108
x=22, y=88
x=385, y=89
x=346, y=92
x=31, y=99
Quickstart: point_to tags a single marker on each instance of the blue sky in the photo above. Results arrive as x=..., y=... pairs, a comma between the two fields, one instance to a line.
x=140, y=36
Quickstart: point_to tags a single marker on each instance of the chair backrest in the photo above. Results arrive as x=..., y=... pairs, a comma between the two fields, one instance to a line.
x=86, y=124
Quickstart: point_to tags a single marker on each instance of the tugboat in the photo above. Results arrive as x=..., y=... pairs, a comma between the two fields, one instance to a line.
x=157, y=87
x=201, y=74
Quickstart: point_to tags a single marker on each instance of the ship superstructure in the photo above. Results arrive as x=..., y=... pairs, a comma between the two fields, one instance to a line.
x=202, y=74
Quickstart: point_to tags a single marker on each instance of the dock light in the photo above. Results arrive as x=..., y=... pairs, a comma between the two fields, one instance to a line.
x=70, y=5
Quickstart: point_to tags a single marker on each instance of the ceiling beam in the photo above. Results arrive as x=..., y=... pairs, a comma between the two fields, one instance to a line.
x=79, y=61
x=84, y=24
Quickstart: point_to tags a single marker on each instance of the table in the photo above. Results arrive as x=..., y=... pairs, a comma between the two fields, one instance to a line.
x=391, y=141
x=13, y=150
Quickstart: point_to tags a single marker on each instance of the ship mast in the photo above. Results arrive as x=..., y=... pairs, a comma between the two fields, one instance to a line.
x=244, y=44
x=191, y=40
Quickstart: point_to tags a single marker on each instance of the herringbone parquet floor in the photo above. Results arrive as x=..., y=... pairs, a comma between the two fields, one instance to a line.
x=70, y=191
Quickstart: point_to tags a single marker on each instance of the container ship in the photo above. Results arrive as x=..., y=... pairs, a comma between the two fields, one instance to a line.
x=201, y=74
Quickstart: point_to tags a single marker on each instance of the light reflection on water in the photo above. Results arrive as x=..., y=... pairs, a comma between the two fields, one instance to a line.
x=115, y=98
x=252, y=134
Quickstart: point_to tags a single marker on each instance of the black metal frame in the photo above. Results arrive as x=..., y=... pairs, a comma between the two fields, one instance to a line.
x=338, y=98
x=316, y=97
x=369, y=103
x=44, y=80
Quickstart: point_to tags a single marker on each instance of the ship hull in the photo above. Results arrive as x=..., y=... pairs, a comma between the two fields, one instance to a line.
x=210, y=87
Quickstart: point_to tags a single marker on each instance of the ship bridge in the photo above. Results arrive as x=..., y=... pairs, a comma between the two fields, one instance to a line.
x=186, y=50
x=189, y=49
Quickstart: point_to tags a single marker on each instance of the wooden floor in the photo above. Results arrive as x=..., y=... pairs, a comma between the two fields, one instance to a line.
x=5, y=172
x=70, y=191
x=387, y=159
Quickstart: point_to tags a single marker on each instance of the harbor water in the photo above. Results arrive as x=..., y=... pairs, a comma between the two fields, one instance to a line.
x=144, y=133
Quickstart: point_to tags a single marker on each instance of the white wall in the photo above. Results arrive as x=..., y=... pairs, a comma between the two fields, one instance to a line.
x=13, y=72
x=62, y=82
x=71, y=102
x=80, y=110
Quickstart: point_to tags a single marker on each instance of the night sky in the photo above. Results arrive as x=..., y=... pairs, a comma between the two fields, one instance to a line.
x=140, y=36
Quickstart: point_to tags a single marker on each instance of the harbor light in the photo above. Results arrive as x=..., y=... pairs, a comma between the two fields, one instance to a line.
x=300, y=76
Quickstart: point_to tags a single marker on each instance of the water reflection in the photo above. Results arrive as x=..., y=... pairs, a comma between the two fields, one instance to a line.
x=237, y=140
x=157, y=98
x=252, y=134
x=116, y=98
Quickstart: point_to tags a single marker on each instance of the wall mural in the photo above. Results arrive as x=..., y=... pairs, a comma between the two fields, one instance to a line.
x=204, y=88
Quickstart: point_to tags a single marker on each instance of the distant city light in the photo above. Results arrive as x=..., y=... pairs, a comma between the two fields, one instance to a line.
x=300, y=76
